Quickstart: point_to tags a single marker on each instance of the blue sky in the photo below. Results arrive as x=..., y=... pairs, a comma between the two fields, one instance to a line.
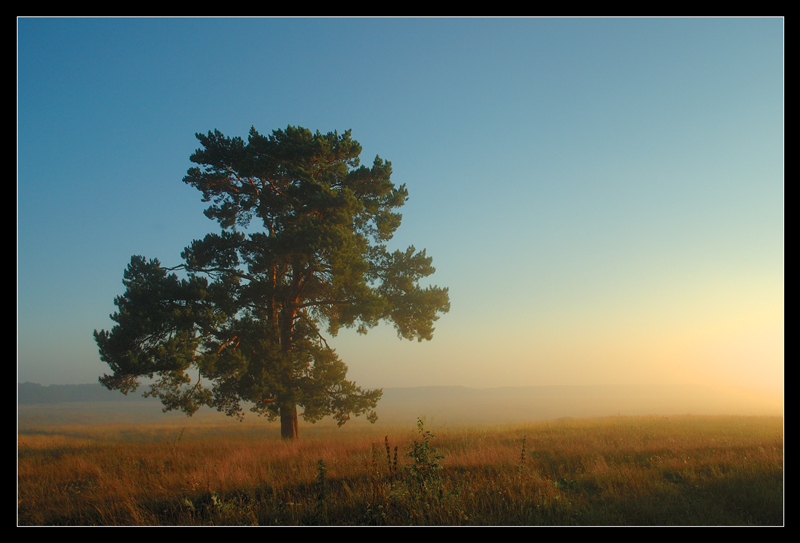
x=603, y=197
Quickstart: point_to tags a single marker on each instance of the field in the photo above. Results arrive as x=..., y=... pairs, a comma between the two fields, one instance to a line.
x=613, y=471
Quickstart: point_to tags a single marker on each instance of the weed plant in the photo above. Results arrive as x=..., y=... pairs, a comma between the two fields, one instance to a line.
x=629, y=471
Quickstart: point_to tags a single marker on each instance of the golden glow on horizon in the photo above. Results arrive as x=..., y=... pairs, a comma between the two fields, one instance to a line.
x=709, y=330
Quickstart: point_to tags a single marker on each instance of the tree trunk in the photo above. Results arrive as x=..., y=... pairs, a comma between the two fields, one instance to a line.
x=289, y=422
x=287, y=316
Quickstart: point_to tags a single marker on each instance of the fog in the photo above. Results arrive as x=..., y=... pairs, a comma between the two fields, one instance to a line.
x=443, y=406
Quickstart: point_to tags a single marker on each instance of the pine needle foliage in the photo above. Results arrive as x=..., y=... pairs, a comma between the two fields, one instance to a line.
x=302, y=251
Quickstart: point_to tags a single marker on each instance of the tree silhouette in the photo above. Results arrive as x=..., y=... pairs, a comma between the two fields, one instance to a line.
x=302, y=248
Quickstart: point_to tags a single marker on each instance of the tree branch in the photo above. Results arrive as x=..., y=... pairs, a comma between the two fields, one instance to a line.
x=309, y=321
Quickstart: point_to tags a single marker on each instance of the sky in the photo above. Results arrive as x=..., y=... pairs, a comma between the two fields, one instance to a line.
x=604, y=198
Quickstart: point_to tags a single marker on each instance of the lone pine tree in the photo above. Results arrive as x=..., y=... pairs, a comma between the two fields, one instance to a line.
x=302, y=248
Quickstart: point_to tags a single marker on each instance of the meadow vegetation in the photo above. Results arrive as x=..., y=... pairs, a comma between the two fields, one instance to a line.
x=640, y=471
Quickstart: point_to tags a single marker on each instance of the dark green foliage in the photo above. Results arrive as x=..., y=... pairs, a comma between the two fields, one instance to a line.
x=425, y=469
x=302, y=247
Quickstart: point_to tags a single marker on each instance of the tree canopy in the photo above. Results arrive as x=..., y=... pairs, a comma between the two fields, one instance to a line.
x=302, y=250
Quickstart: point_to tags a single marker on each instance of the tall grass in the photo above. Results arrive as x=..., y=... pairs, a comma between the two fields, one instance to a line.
x=612, y=471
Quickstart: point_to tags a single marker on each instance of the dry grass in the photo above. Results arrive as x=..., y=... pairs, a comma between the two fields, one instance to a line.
x=612, y=471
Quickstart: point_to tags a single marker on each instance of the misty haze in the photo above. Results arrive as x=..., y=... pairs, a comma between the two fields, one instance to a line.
x=311, y=271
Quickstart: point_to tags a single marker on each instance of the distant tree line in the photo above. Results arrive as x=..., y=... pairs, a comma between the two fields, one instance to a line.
x=34, y=393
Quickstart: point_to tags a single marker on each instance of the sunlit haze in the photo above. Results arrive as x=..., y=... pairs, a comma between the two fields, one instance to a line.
x=602, y=197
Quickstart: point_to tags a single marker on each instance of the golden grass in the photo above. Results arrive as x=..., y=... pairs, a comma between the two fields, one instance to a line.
x=610, y=471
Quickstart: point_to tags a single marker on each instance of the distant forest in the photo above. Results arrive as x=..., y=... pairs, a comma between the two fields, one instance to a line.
x=34, y=393
x=455, y=404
